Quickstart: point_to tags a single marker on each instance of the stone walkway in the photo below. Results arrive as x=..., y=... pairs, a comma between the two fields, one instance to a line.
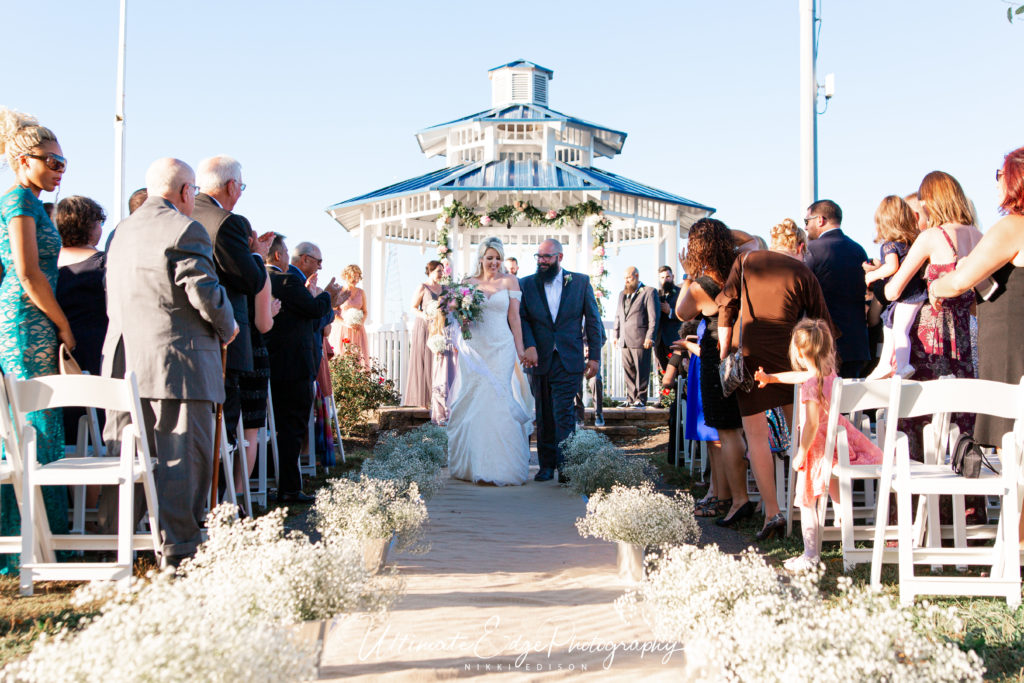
x=509, y=588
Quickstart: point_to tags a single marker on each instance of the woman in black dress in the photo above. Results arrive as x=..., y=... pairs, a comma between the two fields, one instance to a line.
x=710, y=253
x=81, y=293
x=253, y=384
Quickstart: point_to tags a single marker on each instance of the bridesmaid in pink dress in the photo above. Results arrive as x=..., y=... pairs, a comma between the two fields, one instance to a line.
x=352, y=335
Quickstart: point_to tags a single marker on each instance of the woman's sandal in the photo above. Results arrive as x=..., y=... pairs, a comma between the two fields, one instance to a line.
x=712, y=508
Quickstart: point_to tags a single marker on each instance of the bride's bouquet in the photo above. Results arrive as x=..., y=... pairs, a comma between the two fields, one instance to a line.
x=461, y=304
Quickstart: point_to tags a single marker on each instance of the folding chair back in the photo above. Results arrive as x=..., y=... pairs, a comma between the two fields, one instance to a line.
x=132, y=466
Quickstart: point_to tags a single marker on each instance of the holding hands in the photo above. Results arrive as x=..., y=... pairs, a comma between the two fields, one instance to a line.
x=529, y=357
x=763, y=378
x=591, y=370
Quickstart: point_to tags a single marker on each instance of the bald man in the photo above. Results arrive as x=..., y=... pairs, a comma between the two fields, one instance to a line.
x=636, y=328
x=169, y=316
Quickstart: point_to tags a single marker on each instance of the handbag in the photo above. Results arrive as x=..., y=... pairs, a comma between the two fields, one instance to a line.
x=731, y=370
x=967, y=458
x=66, y=363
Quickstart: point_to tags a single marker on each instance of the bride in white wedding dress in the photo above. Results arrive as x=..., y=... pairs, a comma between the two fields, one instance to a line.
x=492, y=412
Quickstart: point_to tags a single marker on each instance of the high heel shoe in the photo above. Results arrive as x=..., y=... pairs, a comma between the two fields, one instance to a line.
x=775, y=526
x=744, y=511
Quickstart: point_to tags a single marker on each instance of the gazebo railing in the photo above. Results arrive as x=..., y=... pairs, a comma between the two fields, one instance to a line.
x=389, y=346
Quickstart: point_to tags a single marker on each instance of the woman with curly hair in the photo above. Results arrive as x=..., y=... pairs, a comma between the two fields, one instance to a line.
x=778, y=291
x=81, y=292
x=351, y=316
x=710, y=253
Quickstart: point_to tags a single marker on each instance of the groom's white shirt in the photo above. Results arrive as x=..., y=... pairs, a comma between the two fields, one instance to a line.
x=553, y=292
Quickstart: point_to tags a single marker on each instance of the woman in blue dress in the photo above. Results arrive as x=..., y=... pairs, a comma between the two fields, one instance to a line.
x=32, y=324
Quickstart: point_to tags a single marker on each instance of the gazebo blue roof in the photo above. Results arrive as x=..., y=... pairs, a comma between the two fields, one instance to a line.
x=522, y=63
x=523, y=112
x=531, y=175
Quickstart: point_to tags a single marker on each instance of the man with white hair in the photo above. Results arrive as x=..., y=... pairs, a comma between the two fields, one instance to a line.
x=169, y=317
x=293, y=359
x=240, y=272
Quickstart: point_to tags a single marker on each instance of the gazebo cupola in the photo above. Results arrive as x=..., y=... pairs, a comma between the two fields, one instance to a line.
x=524, y=171
x=519, y=82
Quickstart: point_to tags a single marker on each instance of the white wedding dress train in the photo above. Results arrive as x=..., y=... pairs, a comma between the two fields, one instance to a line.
x=492, y=412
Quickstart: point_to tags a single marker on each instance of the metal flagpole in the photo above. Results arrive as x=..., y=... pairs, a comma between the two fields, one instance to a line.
x=119, y=200
x=808, y=106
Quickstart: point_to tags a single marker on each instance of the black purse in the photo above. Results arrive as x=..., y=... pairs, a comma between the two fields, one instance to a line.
x=967, y=458
x=731, y=370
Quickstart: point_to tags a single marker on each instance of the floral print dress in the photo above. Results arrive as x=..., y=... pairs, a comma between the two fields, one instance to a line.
x=28, y=348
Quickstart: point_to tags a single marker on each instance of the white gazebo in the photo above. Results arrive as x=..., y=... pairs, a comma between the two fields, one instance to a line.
x=525, y=172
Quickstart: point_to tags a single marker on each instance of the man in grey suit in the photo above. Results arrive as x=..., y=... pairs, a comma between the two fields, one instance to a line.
x=636, y=328
x=169, y=317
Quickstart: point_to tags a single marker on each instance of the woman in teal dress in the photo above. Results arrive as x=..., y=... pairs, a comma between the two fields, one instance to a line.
x=31, y=323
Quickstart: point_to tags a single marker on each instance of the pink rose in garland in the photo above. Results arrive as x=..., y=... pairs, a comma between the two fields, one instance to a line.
x=552, y=215
x=485, y=221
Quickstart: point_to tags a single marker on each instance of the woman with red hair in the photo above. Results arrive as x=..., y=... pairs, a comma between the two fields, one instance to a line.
x=999, y=256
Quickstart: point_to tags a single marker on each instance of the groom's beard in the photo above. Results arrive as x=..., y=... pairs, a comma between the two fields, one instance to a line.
x=547, y=272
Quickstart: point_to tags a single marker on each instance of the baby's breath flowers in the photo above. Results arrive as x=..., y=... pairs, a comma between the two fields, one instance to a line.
x=366, y=509
x=640, y=515
x=740, y=620
x=222, y=618
x=592, y=464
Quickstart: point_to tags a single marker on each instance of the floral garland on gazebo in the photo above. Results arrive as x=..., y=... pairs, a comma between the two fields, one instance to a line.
x=519, y=211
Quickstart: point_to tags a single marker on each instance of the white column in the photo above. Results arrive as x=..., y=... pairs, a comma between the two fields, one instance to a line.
x=365, y=253
x=378, y=297
x=808, y=104
x=119, y=156
x=454, y=255
x=660, y=257
x=673, y=243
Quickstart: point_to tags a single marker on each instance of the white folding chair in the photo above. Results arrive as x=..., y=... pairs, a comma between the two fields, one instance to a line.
x=88, y=442
x=332, y=415
x=243, y=462
x=309, y=468
x=133, y=466
x=10, y=467
x=270, y=436
x=258, y=483
x=934, y=478
x=681, y=442
x=853, y=397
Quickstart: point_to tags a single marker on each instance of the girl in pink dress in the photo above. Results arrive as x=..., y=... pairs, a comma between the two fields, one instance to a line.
x=812, y=350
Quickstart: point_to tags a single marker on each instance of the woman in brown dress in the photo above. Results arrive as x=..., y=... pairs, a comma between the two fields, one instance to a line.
x=778, y=291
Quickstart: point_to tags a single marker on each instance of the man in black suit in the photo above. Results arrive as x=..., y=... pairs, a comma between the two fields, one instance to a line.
x=636, y=328
x=290, y=347
x=668, y=323
x=836, y=261
x=240, y=272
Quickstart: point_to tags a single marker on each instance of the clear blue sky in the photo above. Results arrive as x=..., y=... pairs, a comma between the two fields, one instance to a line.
x=320, y=100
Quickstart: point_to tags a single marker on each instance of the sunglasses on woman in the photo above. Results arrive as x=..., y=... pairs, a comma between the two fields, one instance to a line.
x=54, y=162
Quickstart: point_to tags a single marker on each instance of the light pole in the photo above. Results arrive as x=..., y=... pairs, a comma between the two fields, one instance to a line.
x=119, y=117
x=808, y=105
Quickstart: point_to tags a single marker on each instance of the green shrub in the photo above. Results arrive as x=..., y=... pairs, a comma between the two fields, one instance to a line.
x=358, y=389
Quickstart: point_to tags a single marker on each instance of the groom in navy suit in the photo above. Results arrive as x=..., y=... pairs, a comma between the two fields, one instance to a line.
x=556, y=306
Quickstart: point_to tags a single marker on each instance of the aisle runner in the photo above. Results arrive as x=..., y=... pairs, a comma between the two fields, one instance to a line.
x=508, y=588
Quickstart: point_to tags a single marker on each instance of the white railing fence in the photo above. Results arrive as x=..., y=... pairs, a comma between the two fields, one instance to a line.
x=389, y=346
